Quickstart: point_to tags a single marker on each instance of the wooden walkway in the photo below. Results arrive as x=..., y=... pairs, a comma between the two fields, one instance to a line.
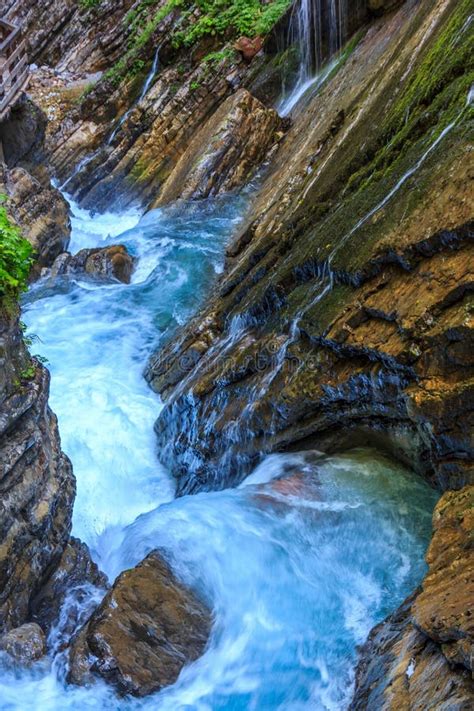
x=14, y=68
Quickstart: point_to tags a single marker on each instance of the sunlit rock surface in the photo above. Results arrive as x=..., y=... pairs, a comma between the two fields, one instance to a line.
x=226, y=152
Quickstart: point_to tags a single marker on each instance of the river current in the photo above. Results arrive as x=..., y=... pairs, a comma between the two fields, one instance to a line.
x=298, y=563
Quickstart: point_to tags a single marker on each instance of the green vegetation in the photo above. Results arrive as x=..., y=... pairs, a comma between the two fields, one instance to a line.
x=241, y=17
x=88, y=4
x=15, y=256
x=224, y=18
x=217, y=57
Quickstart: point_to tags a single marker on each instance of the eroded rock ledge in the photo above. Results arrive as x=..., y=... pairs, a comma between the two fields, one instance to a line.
x=39, y=210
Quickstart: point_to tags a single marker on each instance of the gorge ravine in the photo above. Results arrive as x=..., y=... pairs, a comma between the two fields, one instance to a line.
x=319, y=335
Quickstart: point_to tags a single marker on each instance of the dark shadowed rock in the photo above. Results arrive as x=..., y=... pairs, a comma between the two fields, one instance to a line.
x=74, y=573
x=144, y=632
x=24, y=644
x=37, y=486
x=112, y=262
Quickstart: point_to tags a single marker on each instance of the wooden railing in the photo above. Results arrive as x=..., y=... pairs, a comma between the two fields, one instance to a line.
x=14, y=68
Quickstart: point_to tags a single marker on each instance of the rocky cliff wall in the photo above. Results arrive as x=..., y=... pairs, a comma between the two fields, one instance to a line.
x=63, y=33
x=37, y=486
x=124, y=144
x=343, y=315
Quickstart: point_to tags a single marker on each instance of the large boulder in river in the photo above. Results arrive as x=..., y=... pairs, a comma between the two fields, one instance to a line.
x=227, y=150
x=113, y=262
x=24, y=644
x=143, y=633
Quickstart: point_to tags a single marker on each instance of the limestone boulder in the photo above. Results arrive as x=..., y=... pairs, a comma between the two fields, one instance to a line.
x=143, y=633
x=24, y=644
x=113, y=262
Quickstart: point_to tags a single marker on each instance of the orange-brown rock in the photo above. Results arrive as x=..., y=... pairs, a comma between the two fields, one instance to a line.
x=146, y=629
x=112, y=262
x=226, y=152
x=444, y=609
x=421, y=656
x=248, y=47
x=400, y=669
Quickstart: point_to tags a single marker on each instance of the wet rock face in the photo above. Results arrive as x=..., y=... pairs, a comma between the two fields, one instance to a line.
x=155, y=133
x=75, y=572
x=343, y=316
x=113, y=262
x=24, y=644
x=22, y=134
x=39, y=210
x=226, y=152
x=146, y=629
x=443, y=610
x=421, y=656
x=37, y=486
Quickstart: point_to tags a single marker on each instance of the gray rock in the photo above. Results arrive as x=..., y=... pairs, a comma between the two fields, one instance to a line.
x=25, y=644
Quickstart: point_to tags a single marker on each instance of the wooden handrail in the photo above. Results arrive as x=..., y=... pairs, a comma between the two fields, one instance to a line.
x=14, y=70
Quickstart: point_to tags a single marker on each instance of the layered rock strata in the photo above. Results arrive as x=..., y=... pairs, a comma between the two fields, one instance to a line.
x=226, y=152
x=37, y=486
x=39, y=210
x=343, y=315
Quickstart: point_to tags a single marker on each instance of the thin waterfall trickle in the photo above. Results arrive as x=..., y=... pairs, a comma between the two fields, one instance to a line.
x=318, y=29
x=146, y=86
x=108, y=141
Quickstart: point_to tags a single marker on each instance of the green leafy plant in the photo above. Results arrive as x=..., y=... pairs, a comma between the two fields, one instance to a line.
x=229, y=18
x=88, y=4
x=15, y=256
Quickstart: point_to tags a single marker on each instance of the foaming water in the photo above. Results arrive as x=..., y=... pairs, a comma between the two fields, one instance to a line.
x=298, y=563
x=97, y=339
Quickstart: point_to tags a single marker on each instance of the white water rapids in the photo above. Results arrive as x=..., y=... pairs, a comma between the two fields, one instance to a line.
x=298, y=563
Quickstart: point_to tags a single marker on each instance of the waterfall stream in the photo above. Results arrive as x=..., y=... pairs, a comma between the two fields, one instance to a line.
x=283, y=560
x=317, y=30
